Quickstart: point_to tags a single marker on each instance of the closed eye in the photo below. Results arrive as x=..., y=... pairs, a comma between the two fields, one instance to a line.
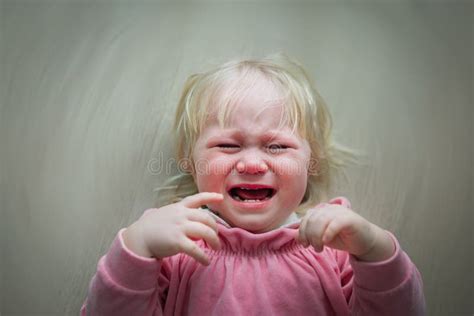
x=277, y=148
x=227, y=146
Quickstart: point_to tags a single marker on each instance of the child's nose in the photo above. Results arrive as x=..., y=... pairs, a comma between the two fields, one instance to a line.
x=251, y=164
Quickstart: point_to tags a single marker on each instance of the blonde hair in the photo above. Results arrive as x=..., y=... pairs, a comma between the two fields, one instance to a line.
x=305, y=110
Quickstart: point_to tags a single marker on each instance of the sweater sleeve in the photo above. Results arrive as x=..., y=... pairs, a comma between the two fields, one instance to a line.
x=125, y=284
x=390, y=287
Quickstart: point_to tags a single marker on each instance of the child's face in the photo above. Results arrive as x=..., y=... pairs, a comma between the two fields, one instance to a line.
x=259, y=166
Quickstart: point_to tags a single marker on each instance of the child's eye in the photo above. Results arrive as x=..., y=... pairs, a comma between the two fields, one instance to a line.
x=228, y=146
x=277, y=148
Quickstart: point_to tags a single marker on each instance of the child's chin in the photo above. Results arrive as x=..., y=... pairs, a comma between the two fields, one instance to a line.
x=252, y=223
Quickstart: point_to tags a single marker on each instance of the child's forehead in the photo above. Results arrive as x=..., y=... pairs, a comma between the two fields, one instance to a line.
x=250, y=96
x=248, y=111
x=265, y=121
x=246, y=107
x=247, y=97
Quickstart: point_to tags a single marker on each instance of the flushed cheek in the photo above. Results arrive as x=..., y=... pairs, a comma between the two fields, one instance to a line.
x=221, y=165
x=289, y=167
x=291, y=193
x=213, y=167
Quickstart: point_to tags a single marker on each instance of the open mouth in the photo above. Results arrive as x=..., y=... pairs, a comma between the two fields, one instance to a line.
x=251, y=194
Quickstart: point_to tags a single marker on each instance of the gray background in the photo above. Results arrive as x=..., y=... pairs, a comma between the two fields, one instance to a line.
x=88, y=91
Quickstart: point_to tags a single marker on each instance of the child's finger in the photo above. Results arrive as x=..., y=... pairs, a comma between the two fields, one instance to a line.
x=316, y=228
x=203, y=198
x=302, y=230
x=200, y=231
x=333, y=229
x=192, y=249
x=203, y=217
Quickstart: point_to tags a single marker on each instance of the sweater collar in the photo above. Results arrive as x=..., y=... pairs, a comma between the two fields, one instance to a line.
x=292, y=219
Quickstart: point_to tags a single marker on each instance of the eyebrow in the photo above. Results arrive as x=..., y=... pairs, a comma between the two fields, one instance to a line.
x=271, y=134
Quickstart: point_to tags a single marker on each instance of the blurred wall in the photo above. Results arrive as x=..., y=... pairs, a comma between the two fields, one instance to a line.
x=88, y=93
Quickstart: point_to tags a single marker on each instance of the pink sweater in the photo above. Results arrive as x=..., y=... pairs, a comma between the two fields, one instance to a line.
x=255, y=274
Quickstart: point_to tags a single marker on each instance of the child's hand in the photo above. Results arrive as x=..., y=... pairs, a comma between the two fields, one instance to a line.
x=340, y=228
x=171, y=229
